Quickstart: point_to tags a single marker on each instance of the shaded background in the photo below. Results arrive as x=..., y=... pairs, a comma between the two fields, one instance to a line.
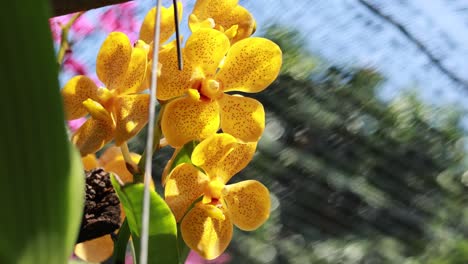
x=365, y=142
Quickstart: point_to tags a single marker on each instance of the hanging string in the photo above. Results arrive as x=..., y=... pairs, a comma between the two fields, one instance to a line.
x=149, y=139
x=177, y=32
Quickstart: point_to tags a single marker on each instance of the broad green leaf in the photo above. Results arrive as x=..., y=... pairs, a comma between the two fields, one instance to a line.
x=42, y=179
x=162, y=242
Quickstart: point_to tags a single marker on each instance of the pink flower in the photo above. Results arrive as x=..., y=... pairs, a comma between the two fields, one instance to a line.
x=75, y=124
x=194, y=258
x=121, y=17
x=73, y=65
x=81, y=27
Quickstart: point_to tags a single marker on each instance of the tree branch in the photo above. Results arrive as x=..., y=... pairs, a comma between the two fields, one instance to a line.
x=63, y=7
x=435, y=61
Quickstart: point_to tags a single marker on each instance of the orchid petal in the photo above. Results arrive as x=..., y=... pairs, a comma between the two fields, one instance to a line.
x=242, y=117
x=250, y=66
x=221, y=156
x=205, y=49
x=131, y=114
x=185, y=119
x=172, y=82
x=135, y=74
x=93, y=135
x=204, y=9
x=248, y=203
x=89, y=162
x=167, y=23
x=74, y=93
x=96, y=250
x=183, y=186
x=208, y=236
x=113, y=59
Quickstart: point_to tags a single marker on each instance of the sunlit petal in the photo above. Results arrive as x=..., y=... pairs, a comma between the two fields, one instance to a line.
x=167, y=23
x=195, y=23
x=250, y=66
x=186, y=119
x=172, y=82
x=208, y=236
x=74, y=93
x=135, y=75
x=248, y=203
x=93, y=135
x=96, y=250
x=211, y=151
x=242, y=18
x=205, y=49
x=113, y=59
x=183, y=186
x=131, y=115
x=242, y=117
x=204, y=9
x=236, y=160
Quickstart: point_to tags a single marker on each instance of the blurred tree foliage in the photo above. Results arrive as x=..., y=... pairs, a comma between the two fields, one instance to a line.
x=355, y=179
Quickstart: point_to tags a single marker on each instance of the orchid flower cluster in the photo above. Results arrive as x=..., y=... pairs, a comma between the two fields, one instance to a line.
x=199, y=106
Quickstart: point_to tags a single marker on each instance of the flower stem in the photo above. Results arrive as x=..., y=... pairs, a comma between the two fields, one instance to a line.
x=156, y=146
x=64, y=44
x=128, y=159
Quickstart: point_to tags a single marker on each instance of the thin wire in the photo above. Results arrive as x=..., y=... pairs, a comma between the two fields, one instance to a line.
x=149, y=139
x=177, y=32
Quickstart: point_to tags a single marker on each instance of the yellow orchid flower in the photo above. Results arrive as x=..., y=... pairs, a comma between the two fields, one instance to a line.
x=167, y=23
x=117, y=111
x=167, y=27
x=112, y=160
x=224, y=15
x=207, y=227
x=249, y=66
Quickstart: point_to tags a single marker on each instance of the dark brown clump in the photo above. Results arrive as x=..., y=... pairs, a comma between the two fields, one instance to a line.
x=102, y=211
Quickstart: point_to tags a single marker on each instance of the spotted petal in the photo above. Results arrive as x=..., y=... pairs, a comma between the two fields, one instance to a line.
x=131, y=115
x=240, y=17
x=205, y=49
x=208, y=236
x=242, y=117
x=96, y=131
x=204, y=9
x=250, y=66
x=75, y=92
x=135, y=74
x=96, y=250
x=186, y=119
x=248, y=203
x=183, y=186
x=221, y=156
x=93, y=135
x=113, y=59
x=172, y=82
x=167, y=23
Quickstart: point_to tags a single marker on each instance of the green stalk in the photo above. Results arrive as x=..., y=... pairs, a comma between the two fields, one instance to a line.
x=64, y=44
x=157, y=137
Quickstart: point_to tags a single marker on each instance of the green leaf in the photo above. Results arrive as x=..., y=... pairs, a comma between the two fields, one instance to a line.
x=42, y=181
x=162, y=242
x=185, y=154
x=120, y=245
